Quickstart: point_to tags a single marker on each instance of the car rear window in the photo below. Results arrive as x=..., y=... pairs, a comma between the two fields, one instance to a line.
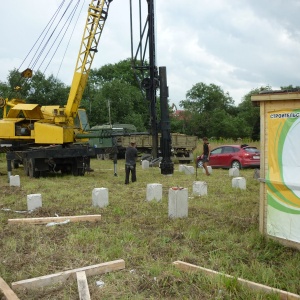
x=251, y=149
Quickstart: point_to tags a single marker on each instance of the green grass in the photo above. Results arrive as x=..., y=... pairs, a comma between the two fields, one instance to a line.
x=220, y=233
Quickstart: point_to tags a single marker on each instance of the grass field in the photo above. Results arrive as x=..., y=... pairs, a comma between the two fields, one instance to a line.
x=220, y=233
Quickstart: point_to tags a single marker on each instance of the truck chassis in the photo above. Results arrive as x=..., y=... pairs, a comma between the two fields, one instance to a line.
x=68, y=159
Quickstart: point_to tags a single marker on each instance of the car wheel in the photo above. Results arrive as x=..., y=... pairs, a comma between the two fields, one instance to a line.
x=236, y=164
x=200, y=164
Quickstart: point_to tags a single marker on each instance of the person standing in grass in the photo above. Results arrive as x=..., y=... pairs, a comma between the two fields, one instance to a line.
x=206, y=154
x=130, y=162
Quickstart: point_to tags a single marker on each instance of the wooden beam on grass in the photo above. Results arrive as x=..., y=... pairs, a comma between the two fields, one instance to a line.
x=83, y=287
x=86, y=218
x=250, y=284
x=43, y=281
x=7, y=291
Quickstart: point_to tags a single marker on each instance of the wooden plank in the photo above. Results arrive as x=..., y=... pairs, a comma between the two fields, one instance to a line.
x=38, y=282
x=276, y=96
x=83, y=288
x=263, y=144
x=7, y=291
x=250, y=284
x=86, y=218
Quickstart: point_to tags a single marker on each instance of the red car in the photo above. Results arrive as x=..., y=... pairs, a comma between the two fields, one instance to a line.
x=232, y=156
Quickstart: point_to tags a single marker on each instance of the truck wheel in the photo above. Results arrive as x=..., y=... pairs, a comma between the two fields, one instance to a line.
x=78, y=167
x=66, y=169
x=16, y=164
x=75, y=170
x=25, y=166
x=78, y=171
x=81, y=171
x=31, y=169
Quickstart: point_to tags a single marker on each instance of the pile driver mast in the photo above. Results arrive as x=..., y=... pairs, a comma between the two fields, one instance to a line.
x=151, y=81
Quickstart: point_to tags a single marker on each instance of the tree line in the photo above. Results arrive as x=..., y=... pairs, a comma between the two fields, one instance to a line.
x=113, y=95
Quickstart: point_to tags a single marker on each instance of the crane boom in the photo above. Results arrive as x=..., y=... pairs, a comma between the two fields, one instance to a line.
x=97, y=14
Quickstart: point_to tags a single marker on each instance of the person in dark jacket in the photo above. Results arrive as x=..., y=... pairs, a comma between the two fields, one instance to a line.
x=206, y=154
x=130, y=162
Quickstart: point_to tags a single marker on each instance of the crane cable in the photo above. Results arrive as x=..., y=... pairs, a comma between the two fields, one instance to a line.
x=48, y=41
x=69, y=41
x=48, y=35
x=48, y=25
x=70, y=18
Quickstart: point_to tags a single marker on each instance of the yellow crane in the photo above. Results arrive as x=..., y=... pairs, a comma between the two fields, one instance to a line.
x=43, y=138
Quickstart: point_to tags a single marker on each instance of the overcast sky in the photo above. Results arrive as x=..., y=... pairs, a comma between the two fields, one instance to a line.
x=238, y=45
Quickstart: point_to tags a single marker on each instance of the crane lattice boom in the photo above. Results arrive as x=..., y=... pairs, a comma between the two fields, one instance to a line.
x=97, y=14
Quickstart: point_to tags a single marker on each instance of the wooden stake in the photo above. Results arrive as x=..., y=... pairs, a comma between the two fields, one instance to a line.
x=87, y=218
x=83, y=288
x=250, y=284
x=7, y=291
x=39, y=282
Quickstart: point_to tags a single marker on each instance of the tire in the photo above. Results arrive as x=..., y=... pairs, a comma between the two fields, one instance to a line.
x=31, y=169
x=15, y=164
x=81, y=171
x=77, y=171
x=25, y=166
x=66, y=170
x=236, y=164
x=200, y=164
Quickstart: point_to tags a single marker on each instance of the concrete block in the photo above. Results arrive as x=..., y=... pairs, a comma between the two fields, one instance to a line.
x=14, y=180
x=154, y=191
x=100, y=197
x=239, y=182
x=189, y=170
x=34, y=201
x=234, y=172
x=199, y=188
x=145, y=164
x=181, y=168
x=178, y=202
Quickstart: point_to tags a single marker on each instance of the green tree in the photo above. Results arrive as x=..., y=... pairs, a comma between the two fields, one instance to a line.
x=47, y=91
x=116, y=84
x=121, y=71
x=206, y=98
x=16, y=86
x=207, y=105
x=177, y=124
x=38, y=89
x=290, y=88
x=119, y=101
x=249, y=114
x=5, y=90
